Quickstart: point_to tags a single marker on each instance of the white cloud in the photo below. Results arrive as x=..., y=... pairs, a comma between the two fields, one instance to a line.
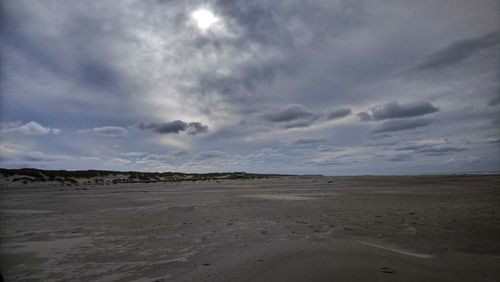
x=133, y=154
x=29, y=128
x=110, y=131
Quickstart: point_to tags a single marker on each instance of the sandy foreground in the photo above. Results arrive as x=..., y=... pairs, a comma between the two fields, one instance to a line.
x=425, y=228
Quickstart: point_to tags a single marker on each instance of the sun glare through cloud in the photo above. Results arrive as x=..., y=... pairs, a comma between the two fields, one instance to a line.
x=204, y=19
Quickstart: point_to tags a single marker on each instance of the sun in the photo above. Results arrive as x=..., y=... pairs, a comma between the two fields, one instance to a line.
x=204, y=18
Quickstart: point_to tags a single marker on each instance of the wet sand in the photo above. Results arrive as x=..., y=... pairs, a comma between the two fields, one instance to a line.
x=427, y=228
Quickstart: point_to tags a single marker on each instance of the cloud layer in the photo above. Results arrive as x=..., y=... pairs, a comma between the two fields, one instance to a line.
x=333, y=87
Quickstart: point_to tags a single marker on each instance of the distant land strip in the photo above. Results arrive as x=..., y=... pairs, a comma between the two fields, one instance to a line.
x=32, y=175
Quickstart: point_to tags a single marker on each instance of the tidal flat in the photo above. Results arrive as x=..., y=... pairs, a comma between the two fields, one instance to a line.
x=282, y=228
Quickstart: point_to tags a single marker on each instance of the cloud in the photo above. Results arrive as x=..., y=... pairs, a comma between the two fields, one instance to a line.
x=24, y=156
x=337, y=113
x=495, y=101
x=100, y=75
x=400, y=125
x=399, y=158
x=165, y=128
x=297, y=115
x=395, y=110
x=175, y=127
x=438, y=151
x=289, y=113
x=79, y=50
x=195, y=128
x=432, y=149
x=37, y=156
x=110, y=131
x=85, y=158
x=133, y=154
x=495, y=141
x=332, y=162
x=364, y=116
x=292, y=116
x=323, y=149
x=30, y=128
x=299, y=123
x=8, y=151
x=155, y=157
x=309, y=141
x=265, y=155
x=458, y=52
x=413, y=147
x=120, y=161
x=208, y=155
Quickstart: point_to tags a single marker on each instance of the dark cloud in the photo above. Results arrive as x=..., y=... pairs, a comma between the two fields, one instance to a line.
x=281, y=23
x=442, y=150
x=495, y=101
x=299, y=123
x=195, y=128
x=400, y=125
x=284, y=34
x=323, y=149
x=413, y=147
x=458, y=52
x=175, y=127
x=399, y=158
x=289, y=113
x=240, y=85
x=99, y=75
x=256, y=17
x=496, y=141
x=79, y=50
x=165, y=128
x=337, y=113
x=396, y=110
x=297, y=115
x=432, y=149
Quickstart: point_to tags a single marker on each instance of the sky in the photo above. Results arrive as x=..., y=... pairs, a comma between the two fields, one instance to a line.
x=305, y=87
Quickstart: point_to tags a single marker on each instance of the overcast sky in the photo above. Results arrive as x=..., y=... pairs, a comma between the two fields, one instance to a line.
x=330, y=87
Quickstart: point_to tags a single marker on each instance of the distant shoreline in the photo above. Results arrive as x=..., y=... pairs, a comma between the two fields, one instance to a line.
x=32, y=175
x=107, y=177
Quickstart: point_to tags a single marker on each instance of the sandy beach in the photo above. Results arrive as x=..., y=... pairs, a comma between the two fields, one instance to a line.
x=365, y=228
